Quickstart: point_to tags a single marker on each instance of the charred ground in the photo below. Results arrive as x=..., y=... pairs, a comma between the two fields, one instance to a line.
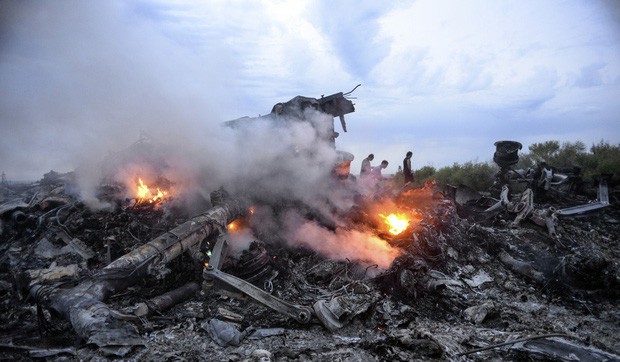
x=463, y=280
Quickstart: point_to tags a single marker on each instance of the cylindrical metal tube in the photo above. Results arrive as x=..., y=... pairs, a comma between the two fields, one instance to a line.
x=19, y=217
x=163, y=302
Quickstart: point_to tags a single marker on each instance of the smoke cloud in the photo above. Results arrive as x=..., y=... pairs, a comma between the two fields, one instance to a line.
x=95, y=88
x=80, y=80
x=346, y=244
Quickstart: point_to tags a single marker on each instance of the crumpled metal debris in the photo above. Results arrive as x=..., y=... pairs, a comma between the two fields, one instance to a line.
x=560, y=349
x=340, y=310
x=478, y=313
x=267, y=332
x=96, y=322
x=225, y=333
x=261, y=355
x=300, y=313
x=524, y=208
x=332, y=313
x=479, y=279
x=52, y=274
x=601, y=201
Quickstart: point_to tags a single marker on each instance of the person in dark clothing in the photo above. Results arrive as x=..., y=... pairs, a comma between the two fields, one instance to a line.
x=541, y=180
x=366, y=167
x=407, y=168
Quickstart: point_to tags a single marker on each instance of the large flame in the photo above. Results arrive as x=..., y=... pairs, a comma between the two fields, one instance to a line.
x=397, y=222
x=145, y=195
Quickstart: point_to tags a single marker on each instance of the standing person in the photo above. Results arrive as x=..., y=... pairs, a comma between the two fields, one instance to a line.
x=365, y=171
x=407, y=168
x=375, y=172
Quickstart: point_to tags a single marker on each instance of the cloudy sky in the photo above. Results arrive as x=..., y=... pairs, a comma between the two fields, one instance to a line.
x=445, y=79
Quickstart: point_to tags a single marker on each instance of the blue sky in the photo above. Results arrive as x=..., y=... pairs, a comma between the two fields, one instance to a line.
x=445, y=79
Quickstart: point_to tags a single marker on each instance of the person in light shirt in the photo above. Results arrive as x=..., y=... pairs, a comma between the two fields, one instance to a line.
x=375, y=172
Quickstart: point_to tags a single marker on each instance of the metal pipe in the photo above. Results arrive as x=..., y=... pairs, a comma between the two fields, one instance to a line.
x=19, y=217
x=162, y=303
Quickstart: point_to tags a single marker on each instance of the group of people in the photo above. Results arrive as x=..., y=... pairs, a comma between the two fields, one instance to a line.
x=374, y=173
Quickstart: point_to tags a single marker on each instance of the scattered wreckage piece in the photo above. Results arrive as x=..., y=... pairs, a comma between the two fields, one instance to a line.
x=521, y=267
x=335, y=105
x=558, y=348
x=602, y=201
x=541, y=178
x=13, y=206
x=300, y=313
x=225, y=333
x=330, y=313
x=456, y=307
x=524, y=208
x=553, y=346
x=478, y=313
x=76, y=245
x=162, y=303
x=545, y=217
x=297, y=110
x=13, y=211
x=83, y=304
x=39, y=352
x=340, y=310
x=506, y=153
x=333, y=309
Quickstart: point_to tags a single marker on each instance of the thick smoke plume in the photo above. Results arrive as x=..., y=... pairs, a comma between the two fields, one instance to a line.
x=80, y=80
x=114, y=99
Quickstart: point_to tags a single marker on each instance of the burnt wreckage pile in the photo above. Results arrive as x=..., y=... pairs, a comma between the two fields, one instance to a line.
x=474, y=278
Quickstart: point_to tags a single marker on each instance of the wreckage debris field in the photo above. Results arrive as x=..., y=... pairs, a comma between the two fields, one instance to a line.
x=152, y=282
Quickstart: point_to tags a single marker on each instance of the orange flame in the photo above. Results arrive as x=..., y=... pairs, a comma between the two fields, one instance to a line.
x=232, y=226
x=144, y=194
x=397, y=222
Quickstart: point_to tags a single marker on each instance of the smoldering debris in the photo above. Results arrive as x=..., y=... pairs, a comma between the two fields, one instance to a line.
x=331, y=273
x=458, y=288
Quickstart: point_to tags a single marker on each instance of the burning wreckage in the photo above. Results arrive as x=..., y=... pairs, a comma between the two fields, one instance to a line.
x=398, y=274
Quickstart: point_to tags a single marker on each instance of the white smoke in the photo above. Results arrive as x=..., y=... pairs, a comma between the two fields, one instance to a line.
x=83, y=80
x=342, y=243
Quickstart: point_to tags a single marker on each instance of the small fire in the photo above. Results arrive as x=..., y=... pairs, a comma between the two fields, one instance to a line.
x=397, y=222
x=240, y=225
x=144, y=194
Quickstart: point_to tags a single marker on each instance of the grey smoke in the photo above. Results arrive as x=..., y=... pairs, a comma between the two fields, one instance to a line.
x=81, y=81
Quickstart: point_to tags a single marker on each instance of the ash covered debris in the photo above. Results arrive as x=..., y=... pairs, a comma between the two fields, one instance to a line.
x=251, y=273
